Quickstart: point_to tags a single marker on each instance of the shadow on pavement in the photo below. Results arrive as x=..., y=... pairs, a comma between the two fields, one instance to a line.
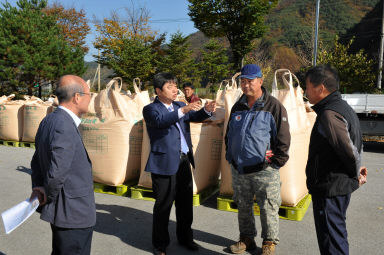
x=373, y=147
x=211, y=202
x=25, y=170
x=134, y=227
x=257, y=251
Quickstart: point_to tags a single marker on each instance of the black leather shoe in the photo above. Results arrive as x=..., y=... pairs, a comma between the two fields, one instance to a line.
x=158, y=251
x=190, y=245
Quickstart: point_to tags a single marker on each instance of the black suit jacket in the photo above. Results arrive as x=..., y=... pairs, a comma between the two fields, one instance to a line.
x=62, y=166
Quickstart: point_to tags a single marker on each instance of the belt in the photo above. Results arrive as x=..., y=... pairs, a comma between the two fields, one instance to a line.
x=251, y=168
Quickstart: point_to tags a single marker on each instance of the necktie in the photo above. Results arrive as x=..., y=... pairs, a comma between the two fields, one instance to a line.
x=183, y=145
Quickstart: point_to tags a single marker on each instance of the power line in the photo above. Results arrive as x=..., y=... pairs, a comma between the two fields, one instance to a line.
x=182, y=20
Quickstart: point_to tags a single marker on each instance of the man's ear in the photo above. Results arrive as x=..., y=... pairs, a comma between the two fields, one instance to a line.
x=157, y=90
x=322, y=89
x=76, y=98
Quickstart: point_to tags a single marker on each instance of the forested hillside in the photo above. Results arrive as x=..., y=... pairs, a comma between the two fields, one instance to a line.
x=292, y=23
x=367, y=32
x=289, y=40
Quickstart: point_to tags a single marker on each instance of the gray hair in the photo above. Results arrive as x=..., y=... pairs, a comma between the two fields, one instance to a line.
x=65, y=93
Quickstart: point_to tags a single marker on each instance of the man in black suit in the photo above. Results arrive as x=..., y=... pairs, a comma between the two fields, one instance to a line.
x=62, y=171
x=169, y=160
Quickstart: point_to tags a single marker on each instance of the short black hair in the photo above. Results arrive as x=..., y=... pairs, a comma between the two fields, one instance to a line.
x=323, y=74
x=65, y=93
x=161, y=78
x=188, y=85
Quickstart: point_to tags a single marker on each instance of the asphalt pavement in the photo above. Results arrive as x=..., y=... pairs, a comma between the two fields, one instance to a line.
x=124, y=224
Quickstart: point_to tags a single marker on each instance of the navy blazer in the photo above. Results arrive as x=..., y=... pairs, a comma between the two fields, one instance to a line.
x=62, y=166
x=164, y=135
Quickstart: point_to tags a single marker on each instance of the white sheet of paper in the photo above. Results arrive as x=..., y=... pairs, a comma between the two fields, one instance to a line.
x=15, y=216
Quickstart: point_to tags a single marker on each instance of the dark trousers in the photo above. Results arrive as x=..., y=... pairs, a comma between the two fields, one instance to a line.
x=69, y=241
x=331, y=230
x=167, y=189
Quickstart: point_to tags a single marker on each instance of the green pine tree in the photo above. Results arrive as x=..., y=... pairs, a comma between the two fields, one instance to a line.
x=32, y=48
x=214, y=64
x=130, y=59
x=178, y=60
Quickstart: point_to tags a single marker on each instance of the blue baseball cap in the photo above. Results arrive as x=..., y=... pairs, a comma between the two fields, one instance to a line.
x=251, y=71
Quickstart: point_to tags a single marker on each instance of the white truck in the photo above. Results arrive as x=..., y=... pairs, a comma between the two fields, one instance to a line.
x=370, y=109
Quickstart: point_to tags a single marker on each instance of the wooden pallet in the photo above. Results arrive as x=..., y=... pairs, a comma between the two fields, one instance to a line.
x=119, y=190
x=285, y=212
x=10, y=143
x=27, y=145
x=141, y=193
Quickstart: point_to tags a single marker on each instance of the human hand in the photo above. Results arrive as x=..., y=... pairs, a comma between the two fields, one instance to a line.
x=39, y=192
x=268, y=155
x=210, y=106
x=363, y=175
x=195, y=106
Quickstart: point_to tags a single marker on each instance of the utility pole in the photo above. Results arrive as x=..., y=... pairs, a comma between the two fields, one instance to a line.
x=379, y=78
x=98, y=69
x=316, y=33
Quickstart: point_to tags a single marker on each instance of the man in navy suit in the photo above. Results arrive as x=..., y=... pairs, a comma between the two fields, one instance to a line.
x=62, y=172
x=169, y=160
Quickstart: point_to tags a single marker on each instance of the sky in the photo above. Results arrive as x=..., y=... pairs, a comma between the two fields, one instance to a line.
x=167, y=16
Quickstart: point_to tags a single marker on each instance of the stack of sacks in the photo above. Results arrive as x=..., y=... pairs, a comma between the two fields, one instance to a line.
x=112, y=132
x=34, y=112
x=11, y=118
x=207, y=143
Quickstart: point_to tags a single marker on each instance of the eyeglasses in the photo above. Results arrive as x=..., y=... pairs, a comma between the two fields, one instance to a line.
x=84, y=93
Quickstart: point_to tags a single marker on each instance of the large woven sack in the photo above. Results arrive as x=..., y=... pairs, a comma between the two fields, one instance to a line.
x=207, y=143
x=231, y=95
x=112, y=134
x=11, y=119
x=137, y=101
x=292, y=174
x=34, y=111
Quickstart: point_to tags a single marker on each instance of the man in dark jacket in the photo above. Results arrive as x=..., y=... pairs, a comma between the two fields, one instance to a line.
x=62, y=172
x=333, y=168
x=169, y=160
x=257, y=141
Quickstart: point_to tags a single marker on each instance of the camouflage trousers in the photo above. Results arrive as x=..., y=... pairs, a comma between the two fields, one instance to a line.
x=265, y=186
